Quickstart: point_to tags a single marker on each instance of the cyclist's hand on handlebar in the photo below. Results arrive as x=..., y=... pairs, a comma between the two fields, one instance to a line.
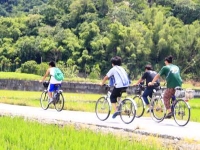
x=150, y=84
x=101, y=84
x=40, y=81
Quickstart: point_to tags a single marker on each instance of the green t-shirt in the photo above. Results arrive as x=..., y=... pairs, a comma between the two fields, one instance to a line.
x=172, y=74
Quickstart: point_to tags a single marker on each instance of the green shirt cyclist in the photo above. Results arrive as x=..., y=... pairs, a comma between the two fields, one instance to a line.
x=173, y=79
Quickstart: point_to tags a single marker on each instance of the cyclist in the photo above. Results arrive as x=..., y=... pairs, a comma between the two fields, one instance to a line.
x=173, y=79
x=148, y=76
x=121, y=81
x=53, y=83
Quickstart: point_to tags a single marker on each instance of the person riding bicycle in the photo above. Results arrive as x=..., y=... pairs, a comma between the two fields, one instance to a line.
x=148, y=77
x=173, y=79
x=121, y=81
x=53, y=83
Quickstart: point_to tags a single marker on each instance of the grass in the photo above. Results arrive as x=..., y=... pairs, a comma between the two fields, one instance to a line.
x=74, y=101
x=25, y=76
x=18, y=134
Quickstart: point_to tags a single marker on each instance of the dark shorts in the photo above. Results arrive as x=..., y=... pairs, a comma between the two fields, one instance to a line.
x=117, y=92
x=53, y=87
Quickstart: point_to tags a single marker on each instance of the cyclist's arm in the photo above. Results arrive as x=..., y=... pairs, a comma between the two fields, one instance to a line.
x=140, y=80
x=46, y=74
x=104, y=80
x=154, y=79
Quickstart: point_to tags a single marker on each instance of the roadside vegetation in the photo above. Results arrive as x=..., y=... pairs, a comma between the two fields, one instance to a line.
x=16, y=133
x=74, y=101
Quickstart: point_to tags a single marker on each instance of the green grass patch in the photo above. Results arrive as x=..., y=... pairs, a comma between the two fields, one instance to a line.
x=18, y=134
x=74, y=101
x=25, y=76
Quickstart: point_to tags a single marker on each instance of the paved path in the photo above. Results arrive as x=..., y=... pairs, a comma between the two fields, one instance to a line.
x=142, y=125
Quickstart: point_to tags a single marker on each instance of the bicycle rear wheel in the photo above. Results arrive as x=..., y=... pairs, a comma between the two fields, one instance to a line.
x=157, y=110
x=181, y=112
x=140, y=106
x=127, y=110
x=102, y=108
x=59, y=102
x=44, y=100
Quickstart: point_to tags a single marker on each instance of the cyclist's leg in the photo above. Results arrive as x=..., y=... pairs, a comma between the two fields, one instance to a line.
x=113, y=98
x=147, y=92
x=117, y=92
x=169, y=92
x=51, y=88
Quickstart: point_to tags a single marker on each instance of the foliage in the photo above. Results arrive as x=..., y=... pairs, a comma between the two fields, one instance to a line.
x=20, y=134
x=74, y=101
x=83, y=33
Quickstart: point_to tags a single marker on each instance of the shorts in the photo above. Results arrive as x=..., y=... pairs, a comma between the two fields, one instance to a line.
x=117, y=92
x=169, y=93
x=53, y=87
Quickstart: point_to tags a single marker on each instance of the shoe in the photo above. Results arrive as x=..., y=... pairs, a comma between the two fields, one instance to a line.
x=115, y=114
x=169, y=115
x=148, y=110
x=50, y=100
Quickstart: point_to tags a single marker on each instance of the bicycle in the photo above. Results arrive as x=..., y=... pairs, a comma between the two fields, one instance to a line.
x=126, y=107
x=139, y=100
x=179, y=107
x=58, y=99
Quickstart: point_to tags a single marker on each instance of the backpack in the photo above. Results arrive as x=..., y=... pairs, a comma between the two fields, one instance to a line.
x=58, y=75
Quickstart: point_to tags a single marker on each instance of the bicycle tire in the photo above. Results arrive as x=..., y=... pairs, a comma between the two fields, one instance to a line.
x=181, y=112
x=59, y=102
x=44, y=100
x=140, y=106
x=127, y=110
x=157, y=109
x=102, y=108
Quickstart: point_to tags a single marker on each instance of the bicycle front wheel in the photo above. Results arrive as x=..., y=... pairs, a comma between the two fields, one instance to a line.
x=127, y=110
x=44, y=100
x=140, y=106
x=157, y=110
x=59, y=102
x=102, y=108
x=181, y=112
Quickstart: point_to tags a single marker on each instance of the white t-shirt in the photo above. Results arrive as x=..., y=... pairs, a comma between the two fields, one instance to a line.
x=53, y=80
x=120, y=75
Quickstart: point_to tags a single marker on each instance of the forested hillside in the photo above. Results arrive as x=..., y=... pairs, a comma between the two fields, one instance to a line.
x=82, y=35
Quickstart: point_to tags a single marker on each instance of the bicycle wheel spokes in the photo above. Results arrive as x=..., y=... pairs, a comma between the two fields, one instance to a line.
x=127, y=111
x=59, y=102
x=140, y=106
x=158, y=110
x=44, y=100
x=102, y=108
x=181, y=113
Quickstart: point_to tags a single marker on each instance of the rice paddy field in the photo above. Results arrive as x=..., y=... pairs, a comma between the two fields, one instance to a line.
x=74, y=101
x=19, y=134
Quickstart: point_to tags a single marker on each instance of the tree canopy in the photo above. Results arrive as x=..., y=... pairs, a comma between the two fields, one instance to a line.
x=83, y=35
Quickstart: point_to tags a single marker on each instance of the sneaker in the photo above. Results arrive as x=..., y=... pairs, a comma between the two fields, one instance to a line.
x=115, y=114
x=148, y=110
x=50, y=100
x=169, y=115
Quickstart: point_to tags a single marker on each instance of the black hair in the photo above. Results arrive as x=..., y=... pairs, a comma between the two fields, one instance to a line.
x=169, y=59
x=148, y=67
x=116, y=60
x=52, y=64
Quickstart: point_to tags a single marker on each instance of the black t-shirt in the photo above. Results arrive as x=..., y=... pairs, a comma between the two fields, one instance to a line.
x=148, y=76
